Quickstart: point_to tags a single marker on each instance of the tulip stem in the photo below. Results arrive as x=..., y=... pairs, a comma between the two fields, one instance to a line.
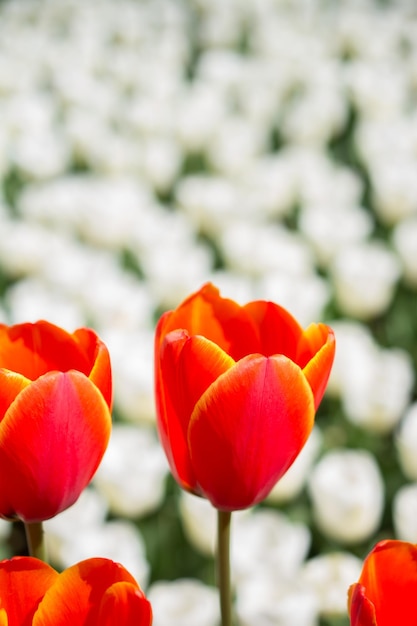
x=35, y=540
x=223, y=566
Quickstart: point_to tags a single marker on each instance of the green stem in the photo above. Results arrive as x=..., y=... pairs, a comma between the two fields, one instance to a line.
x=223, y=566
x=35, y=540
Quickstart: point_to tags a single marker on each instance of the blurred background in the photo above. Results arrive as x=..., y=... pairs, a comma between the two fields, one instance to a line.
x=270, y=146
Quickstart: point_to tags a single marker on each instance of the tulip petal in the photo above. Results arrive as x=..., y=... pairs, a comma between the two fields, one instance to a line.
x=97, y=354
x=35, y=349
x=389, y=576
x=317, y=350
x=23, y=583
x=11, y=385
x=222, y=321
x=248, y=428
x=201, y=363
x=126, y=605
x=361, y=610
x=279, y=332
x=52, y=439
x=75, y=597
x=189, y=365
x=170, y=423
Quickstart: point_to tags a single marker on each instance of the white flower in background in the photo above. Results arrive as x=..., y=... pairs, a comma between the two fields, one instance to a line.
x=209, y=202
x=294, y=479
x=364, y=277
x=199, y=521
x=269, y=186
x=378, y=388
x=132, y=473
x=316, y=116
x=131, y=355
x=26, y=248
x=89, y=511
x=121, y=301
x=270, y=601
x=266, y=543
x=235, y=144
x=404, y=513
x=320, y=182
x=355, y=347
x=256, y=249
x=161, y=162
x=377, y=89
x=406, y=442
x=305, y=296
x=330, y=229
x=82, y=532
x=32, y=299
x=41, y=155
x=329, y=576
x=404, y=239
x=118, y=540
x=237, y=286
x=183, y=602
x=201, y=110
x=173, y=273
x=347, y=494
x=394, y=188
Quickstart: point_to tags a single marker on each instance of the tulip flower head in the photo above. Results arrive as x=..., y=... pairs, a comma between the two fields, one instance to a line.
x=237, y=388
x=55, y=401
x=385, y=592
x=94, y=591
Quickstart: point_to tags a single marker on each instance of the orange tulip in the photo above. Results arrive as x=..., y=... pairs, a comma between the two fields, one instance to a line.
x=55, y=399
x=237, y=388
x=387, y=587
x=94, y=591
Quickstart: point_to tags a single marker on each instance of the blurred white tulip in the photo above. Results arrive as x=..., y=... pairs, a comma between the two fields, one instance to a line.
x=183, y=602
x=347, y=494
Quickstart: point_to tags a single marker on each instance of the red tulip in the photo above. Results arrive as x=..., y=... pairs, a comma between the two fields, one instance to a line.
x=386, y=591
x=55, y=399
x=92, y=592
x=237, y=388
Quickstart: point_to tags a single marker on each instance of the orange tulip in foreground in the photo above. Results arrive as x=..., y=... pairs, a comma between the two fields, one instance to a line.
x=237, y=388
x=385, y=594
x=55, y=399
x=91, y=593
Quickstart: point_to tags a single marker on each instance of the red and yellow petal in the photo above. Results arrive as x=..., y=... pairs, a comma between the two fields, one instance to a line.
x=321, y=356
x=248, y=428
x=389, y=577
x=75, y=597
x=23, y=583
x=126, y=605
x=222, y=321
x=97, y=355
x=11, y=384
x=188, y=366
x=52, y=439
x=35, y=349
x=201, y=362
x=279, y=332
x=169, y=421
x=361, y=610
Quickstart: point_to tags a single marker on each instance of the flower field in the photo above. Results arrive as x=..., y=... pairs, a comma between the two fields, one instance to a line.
x=148, y=147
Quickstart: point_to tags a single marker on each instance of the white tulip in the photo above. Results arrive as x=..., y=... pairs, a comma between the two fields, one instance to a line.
x=347, y=494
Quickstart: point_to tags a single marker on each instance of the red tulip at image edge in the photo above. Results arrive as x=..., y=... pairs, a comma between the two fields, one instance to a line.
x=94, y=591
x=237, y=388
x=385, y=594
x=55, y=421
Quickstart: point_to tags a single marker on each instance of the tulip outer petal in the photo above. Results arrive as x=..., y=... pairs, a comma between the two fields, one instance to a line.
x=248, y=428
